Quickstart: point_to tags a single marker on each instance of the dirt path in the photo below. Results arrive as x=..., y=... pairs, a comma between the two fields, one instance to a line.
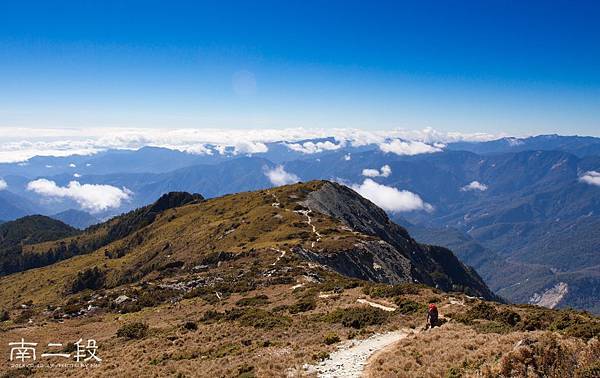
x=377, y=305
x=350, y=359
x=309, y=222
x=282, y=253
x=369, y=365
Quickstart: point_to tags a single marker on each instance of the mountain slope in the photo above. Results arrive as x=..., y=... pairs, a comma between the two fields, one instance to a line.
x=76, y=218
x=21, y=233
x=136, y=247
x=265, y=284
x=13, y=206
x=42, y=241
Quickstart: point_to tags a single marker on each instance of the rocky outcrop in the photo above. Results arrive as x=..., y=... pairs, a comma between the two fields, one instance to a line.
x=400, y=258
x=551, y=297
x=371, y=260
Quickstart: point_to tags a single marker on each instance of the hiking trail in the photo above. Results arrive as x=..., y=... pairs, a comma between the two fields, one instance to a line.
x=350, y=360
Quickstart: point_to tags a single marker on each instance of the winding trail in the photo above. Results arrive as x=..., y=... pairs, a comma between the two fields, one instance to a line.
x=278, y=257
x=377, y=305
x=277, y=204
x=309, y=222
x=350, y=360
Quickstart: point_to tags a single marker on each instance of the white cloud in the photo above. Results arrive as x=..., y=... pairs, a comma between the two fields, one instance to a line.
x=384, y=172
x=591, y=177
x=3, y=184
x=402, y=147
x=313, y=148
x=91, y=197
x=474, y=185
x=370, y=172
x=390, y=198
x=278, y=176
x=76, y=175
x=347, y=157
x=248, y=147
x=16, y=147
x=72, y=165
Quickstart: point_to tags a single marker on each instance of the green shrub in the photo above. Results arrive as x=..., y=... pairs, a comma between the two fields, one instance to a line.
x=357, y=317
x=386, y=291
x=331, y=338
x=246, y=371
x=91, y=278
x=151, y=297
x=129, y=307
x=584, y=330
x=280, y=308
x=569, y=322
x=322, y=355
x=71, y=309
x=406, y=306
x=263, y=319
x=339, y=284
x=493, y=321
x=536, y=320
x=482, y=310
x=302, y=305
x=212, y=316
x=508, y=317
x=136, y=330
x=491, y=327
x=190, y=326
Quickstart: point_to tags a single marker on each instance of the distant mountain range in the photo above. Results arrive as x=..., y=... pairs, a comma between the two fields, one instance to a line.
x=76, y=218
x=523, y=211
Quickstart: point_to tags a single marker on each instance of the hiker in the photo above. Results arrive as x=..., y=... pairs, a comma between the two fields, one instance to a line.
x=432, y=316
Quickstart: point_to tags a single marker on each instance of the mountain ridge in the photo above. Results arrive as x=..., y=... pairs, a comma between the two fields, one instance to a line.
x=137, y=245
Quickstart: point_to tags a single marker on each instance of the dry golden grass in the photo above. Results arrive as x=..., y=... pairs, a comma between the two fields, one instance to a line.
x=432, y=353
x=219, y=349
x=456, y=350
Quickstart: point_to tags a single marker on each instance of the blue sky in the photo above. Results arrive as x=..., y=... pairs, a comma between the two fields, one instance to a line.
x=519, y=67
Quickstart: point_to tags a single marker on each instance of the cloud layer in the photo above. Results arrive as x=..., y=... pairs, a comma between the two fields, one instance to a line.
x=390, y=198
x=474, y=185
x=385, y=171
x=402, y=147
x=91, y=197
x=20, y=144
x=591, y=177
x=278, y=176
x=313, y=148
